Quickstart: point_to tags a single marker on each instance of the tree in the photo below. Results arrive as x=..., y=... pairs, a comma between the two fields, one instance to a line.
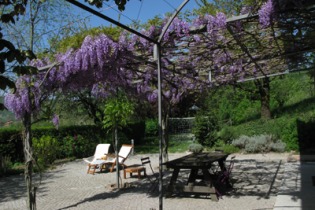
x=232, y=8
x=117, y=112
x=44, y=21
x=34, y=14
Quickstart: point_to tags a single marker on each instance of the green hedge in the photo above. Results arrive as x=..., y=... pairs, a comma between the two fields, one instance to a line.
x=11, y=144
x=72, y=141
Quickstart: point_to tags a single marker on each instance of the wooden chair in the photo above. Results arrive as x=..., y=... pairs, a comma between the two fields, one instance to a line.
x=123, y=154
x=154, y=179
x=222, y=180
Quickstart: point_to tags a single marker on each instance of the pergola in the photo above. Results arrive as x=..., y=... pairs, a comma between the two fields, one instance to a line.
x=245, y=51
x=248, y=51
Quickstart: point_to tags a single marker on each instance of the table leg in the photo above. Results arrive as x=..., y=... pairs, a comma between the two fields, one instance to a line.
x=209, y=182
x=172, y=184
x=222, y=165
x=192, y=176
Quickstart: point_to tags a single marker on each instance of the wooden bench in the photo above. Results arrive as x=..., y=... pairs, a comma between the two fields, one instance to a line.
x=135, y=169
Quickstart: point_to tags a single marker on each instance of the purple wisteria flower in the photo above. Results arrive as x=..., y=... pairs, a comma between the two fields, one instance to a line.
x=266, y=14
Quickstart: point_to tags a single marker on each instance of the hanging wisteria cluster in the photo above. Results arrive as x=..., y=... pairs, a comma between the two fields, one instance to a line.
x=266, y=13
x=101, y=64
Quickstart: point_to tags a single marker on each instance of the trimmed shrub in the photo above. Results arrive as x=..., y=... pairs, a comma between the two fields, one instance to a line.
x=278, y=146
x=241, y=141
x=259, y=143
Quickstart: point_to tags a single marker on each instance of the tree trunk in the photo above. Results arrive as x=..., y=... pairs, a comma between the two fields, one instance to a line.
x=264, y=91
x=28, y=155
x=116, y=155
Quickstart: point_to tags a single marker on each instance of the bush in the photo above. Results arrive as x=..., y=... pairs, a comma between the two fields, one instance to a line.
x=278, y=146
x=283, y=128
x=205, y=130
x=241, y=141
x=195, y=148
x=67, y=148
x=226, y=148
x=227, y=134
x=260, y=143
x=46, y=150
x=151, y=128
x=289, y=135
x=77, y=146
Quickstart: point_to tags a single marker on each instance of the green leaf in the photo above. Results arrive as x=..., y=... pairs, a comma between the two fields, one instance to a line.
x=29, y=54
x=6, y=82
x=21, y=70
x=2, y=66
x=19, y=9
x=6, y=18
x=4, y=43
x=20, y=56
x=10, y=56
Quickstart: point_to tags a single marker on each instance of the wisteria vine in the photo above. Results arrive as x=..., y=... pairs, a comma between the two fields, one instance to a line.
x=101, y=64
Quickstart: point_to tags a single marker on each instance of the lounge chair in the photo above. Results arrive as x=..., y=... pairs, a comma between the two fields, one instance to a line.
x=98, y=159
x=123, y=154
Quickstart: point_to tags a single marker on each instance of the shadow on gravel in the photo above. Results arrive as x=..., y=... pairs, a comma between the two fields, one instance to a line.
x=136, y=187
x=256, y=178
x=249, y=178
x=9, y=186
x=14, y=187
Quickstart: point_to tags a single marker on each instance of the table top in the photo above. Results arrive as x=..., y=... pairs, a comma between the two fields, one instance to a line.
x=196, y=160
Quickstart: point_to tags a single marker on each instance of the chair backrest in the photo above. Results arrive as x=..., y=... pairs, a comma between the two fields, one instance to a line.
x=101, y=150
x=146, y=160
x=225, y=176
x=124, y=152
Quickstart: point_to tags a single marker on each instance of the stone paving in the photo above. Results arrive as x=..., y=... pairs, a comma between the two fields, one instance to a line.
x=256, y=181
x=297, y=191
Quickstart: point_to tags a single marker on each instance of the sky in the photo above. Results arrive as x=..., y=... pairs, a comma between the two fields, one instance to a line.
x=136, y=10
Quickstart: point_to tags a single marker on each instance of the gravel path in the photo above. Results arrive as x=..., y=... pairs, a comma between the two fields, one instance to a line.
x=256, y=178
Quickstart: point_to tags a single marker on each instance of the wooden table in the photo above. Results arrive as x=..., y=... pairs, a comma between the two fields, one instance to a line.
x=199, y=165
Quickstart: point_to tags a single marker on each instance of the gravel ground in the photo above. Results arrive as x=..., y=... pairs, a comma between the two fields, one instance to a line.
x=256, y=180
